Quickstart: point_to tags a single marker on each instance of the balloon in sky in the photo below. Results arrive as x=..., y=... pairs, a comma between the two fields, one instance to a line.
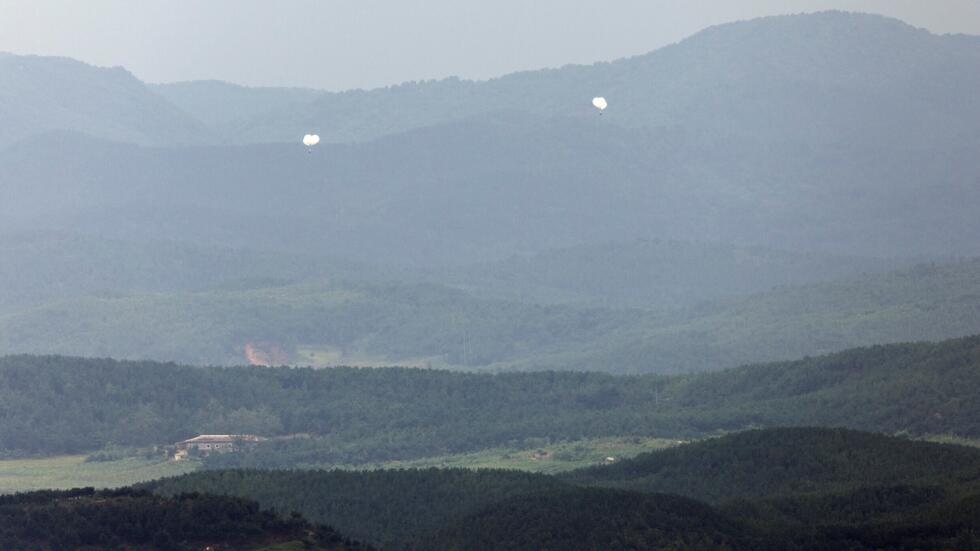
x=600, y=104
x=310, y=140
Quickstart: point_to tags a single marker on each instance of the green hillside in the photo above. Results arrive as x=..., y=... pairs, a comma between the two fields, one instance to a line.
x=376, y=506
x=390, y=323
x=928, y=302
x=716, y=139
x=588, y=519
x=41, y=94
x=781, y=462
x=41, y=268
x=757, y=78
x=131, y=519
x=356, y=416
x=218, y=104
x=803, y=488
x=653, y=274
x=356, y=323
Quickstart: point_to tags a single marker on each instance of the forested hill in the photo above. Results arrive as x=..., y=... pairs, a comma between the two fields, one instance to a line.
x=41, y=268
x=654, y=274
x=366, y=415
x=927, y=302
x=335, y=321
x=379, y=506
x=41, y=94
x=222, y=104
x=821, y=78
x=800, y=488
x=475, y=191
x=85, y=519
x=828, y=77
x=779, y=462
x=759, y=132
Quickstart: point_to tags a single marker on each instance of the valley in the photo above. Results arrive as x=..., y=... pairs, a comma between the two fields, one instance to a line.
x=720, y=294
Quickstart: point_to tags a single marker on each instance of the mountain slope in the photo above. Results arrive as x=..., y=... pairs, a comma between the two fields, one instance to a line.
x=829, y=77
x=380, y=507
x=391, y=324
x=369, y=415
x=220, y=104
x=654, y=274
x=803, y=488
x=488, y=189
x=41, y=94
x=831, y=132
x=41, y=268
x=133, y=519
x=587, y=519
x=779, y=462
x=927, y=302
x=425, y=324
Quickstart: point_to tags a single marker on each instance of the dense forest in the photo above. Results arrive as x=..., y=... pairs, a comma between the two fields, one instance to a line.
x=588, y=519
x=383, y=506
x=86, y=519
x=425, y=324
x=43, y=267
x=786, y=461
x=366, y=415
x=800, y=488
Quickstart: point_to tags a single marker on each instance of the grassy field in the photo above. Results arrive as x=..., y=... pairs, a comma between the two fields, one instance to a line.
x=22, y=475
x=72, y=471
x=545, y=459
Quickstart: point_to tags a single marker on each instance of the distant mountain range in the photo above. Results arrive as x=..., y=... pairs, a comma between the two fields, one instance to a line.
x=504, y=224
x=835, y=132
x=485, y=190
x=825, y=78
x=42, y=94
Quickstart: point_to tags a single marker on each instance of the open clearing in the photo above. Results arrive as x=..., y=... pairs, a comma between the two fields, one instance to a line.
x=72, y=471
x=552, y=458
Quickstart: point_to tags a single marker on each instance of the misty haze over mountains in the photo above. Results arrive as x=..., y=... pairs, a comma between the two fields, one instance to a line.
x=830, y=148
x=722, y=295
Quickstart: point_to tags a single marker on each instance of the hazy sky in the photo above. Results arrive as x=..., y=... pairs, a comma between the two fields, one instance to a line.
x=339, y=44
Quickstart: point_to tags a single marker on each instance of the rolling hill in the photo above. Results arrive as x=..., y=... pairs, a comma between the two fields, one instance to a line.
x=927, y=302
x=789, y=461
x=222, y=104
x=775, y=78
x=716, y=139
x=415, y=502
x=361, y=416
x=801, y=488
x=131, y=519
x=823, y=78
x=42, y=94
x=41, y=268
x=653, y=274
x=337, y=321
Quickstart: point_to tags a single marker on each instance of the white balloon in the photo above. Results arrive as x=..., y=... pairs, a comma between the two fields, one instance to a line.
x=310, y=140
x=600, y=103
